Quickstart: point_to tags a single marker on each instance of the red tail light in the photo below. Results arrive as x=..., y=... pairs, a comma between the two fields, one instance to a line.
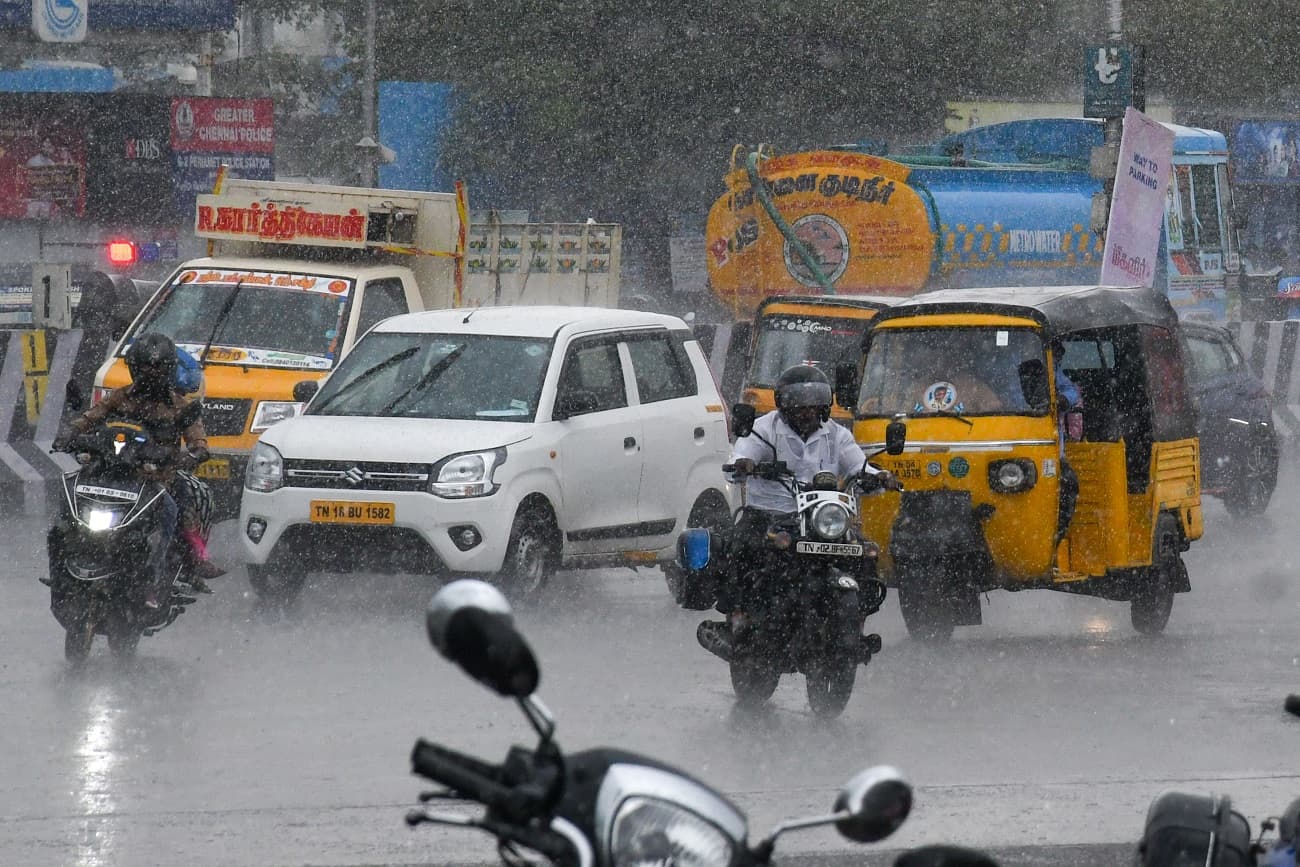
x=122, y=253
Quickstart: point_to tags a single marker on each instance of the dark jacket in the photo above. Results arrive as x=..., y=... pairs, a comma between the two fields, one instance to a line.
x=161, y=419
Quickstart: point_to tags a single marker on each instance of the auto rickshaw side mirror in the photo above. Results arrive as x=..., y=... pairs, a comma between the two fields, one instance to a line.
x=846, y=384
x=1033, y=383
x=742, y=419
x=895, y=437
x=305, y=390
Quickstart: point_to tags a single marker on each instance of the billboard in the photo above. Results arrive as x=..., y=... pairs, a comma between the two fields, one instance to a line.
x=207, y=132
x=1266, y=152
x=42, y=165
x=176, y=15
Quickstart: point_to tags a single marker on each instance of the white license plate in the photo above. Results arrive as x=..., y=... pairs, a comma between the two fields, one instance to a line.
x=832, y=549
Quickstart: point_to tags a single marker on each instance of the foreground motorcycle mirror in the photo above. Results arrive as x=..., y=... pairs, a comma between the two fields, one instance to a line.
x=895, y=436
x=470, y=623
x=869, y=808
x=876, y=802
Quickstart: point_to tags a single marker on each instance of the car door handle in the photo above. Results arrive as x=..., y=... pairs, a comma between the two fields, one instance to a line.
x=629, y=442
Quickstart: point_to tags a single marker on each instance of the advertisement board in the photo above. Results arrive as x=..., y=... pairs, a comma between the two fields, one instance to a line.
x=174, y=15
x=1137, y=207
x=1266, y=152
x=207, y=132
x=42, y=165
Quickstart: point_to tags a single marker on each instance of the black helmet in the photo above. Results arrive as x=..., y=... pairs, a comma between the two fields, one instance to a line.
x=803, y=385
x=151, y=360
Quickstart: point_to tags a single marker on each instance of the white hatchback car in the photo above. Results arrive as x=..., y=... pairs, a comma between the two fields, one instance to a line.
x=505, y=441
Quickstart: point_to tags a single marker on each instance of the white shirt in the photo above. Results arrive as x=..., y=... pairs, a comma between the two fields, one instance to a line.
x=831, y=448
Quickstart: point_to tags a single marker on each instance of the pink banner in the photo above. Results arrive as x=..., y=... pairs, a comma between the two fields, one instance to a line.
x=1137, y=206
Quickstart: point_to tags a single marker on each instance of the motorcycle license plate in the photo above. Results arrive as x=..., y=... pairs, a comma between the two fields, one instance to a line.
x=213, y=468
x=831, y=549
x=349, y=512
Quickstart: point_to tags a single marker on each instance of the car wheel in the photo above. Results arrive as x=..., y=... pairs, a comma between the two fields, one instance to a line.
x=698, y=595
x=276, y=582
x=1153, y=599
x=531, y=557
x=1248, y=493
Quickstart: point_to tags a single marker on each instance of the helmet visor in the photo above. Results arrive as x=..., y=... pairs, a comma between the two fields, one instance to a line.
x=800, y=394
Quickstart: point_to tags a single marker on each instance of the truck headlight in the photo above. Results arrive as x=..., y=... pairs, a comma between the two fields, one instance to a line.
x=466, y=475
x=271, y=411
x=265, y=469
x=830, y=520
x=651, y=831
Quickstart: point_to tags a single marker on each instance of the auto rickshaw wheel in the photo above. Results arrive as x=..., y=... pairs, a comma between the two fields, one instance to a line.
x=924, y=613
x=1153, y=598
x=753, y=679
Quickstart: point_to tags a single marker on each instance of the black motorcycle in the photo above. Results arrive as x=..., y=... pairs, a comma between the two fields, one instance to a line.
x=1186, y=828
x=99, y=548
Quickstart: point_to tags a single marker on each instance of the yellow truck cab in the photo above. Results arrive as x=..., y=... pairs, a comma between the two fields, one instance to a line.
x=821, y=330
x=297, y=273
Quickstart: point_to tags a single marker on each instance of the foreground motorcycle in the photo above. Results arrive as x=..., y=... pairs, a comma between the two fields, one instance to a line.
x=806, y=601
x=100, y=545
x=1183, y=828
x=608, y=807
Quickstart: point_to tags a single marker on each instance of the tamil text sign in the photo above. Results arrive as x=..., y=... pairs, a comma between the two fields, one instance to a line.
x=1137, y=205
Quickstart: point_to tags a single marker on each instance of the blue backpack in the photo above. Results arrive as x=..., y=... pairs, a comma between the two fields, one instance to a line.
x=189, y=375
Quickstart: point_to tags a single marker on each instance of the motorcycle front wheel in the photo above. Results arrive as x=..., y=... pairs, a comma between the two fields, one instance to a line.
x=123, y=641
x=753, y=681
x=77, y=641
x=830, y=685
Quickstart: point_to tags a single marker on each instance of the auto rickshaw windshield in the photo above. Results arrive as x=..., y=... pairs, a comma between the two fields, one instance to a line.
x=963, y=370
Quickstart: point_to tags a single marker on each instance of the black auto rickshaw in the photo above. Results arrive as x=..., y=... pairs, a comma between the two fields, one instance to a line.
x=1008, y=486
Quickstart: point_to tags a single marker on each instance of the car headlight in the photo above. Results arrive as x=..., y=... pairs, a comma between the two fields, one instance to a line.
x=649, y=831
x=265, y=469
x=830, y=520
x=467, y=475
x=271, y=411
x=1012, y=476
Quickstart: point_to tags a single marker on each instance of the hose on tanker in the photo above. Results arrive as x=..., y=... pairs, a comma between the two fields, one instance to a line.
x=765, y=199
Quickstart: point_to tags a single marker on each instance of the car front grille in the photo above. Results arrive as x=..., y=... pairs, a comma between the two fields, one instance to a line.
x=226, y=417
x=356, y=476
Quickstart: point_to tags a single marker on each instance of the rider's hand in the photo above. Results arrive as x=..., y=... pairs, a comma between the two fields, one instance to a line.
x=743, y=466
x=888, y=481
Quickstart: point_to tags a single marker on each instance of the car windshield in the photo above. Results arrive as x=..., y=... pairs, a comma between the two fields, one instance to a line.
x=258, y=319
x=967, y=371
x=787, y=339
x=451, y=376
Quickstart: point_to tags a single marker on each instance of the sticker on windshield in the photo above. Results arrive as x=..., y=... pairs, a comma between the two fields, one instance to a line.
x=273, y=279
x=534, y=349
x=1002, y=338
x=939, y=397
x=261, y=357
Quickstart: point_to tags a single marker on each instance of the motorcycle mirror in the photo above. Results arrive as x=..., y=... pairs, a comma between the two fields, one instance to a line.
x=742, y=419
x=470, y=623
x=876, y=801
x=895, y=436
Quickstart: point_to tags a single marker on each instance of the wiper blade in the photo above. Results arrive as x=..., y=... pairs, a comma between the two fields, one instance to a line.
x=367, y=373
x=220, y=323
x=952, y=414
x=425, y=381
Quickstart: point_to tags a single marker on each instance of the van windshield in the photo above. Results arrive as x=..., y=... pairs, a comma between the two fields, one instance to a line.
x=787, y=339
x=270, y=319
x=967, y=371
x=452, y=376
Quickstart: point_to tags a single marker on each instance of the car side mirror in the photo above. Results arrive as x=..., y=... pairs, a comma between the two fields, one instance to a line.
x=575, y=401
x=742, y=419
x=74, y=398
x=470, y=623
x=846, y=384
x=1033, y=383
x=895, y=437
x=305, y=390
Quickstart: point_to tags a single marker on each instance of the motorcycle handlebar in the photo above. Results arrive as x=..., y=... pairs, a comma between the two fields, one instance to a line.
x=463, y=774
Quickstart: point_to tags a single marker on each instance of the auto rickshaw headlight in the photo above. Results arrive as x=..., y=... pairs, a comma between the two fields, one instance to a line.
x=1012, y=476
x=830, y=520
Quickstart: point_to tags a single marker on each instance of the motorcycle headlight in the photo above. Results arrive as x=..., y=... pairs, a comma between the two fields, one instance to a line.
x=271, y=411
x=97, y=518
x=649, y=832
x=830, y=520
x=467, y=475
x=265, y=469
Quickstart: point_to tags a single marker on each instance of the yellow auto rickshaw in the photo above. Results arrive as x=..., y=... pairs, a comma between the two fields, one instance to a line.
x=1050, y=442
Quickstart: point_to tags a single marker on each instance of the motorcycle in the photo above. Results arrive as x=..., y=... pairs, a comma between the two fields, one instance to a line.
x=806, y=602
x=1183, y=828
x=100, y=545
x=608, y=806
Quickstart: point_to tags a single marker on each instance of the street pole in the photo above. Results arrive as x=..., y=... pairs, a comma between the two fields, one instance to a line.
x=368, y=97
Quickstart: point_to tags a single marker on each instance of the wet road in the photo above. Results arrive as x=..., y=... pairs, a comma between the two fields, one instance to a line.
x=242, y=736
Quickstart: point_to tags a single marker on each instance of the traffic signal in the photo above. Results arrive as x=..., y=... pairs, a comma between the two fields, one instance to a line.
x=123, y=254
